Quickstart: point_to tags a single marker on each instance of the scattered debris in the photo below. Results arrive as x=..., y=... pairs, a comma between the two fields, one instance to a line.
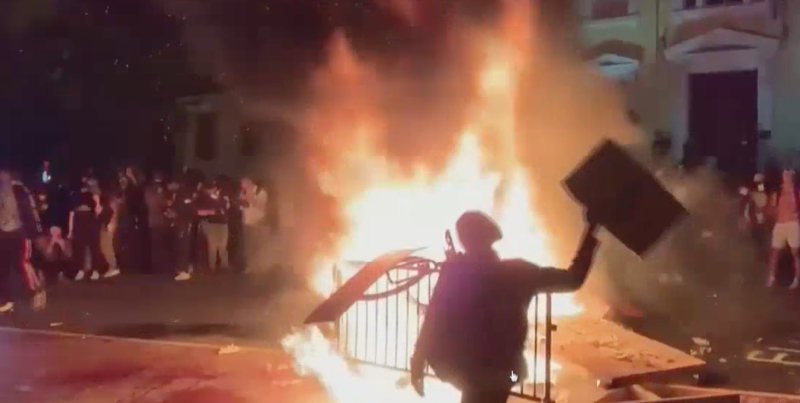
x=229, y=349
x=759, y=340
x=24, y=388
x=56, y=324
x=722, y=360
x=706, y=234
x=704, y=347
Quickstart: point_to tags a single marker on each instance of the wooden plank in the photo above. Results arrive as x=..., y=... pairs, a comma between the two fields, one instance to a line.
x=746, y=396
x=343, y=298
x=616, y=356
x=727, y=398
x=639, y=394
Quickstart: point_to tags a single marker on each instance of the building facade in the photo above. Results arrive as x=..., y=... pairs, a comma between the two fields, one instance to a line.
x=719, y=77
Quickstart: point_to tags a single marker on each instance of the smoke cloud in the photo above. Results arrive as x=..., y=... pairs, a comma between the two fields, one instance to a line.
x=346, y=98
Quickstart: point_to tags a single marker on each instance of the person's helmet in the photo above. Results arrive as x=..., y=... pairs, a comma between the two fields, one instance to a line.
x=476, y=230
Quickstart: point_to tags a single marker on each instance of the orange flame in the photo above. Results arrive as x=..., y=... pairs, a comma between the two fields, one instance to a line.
x=385, y=210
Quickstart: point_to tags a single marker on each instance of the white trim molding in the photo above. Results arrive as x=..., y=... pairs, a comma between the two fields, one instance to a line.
x=627, y=21
x=722, y=40
x=629, y=18
x=720, y=50
x=746, y=9
x=616, y=66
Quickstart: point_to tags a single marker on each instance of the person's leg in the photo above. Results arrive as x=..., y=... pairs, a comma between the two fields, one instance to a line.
x=31, y=281
x=793, y=239
x=223, y=245
x=80, y=252
x=212, y=243
x=156, y=247
x=97, y=263
x=6, y=297
x=257, y=248
x=107, y=249
x=778, y=242
x=183, y=252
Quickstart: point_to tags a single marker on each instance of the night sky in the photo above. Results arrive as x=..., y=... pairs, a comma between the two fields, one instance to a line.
x=93, y=82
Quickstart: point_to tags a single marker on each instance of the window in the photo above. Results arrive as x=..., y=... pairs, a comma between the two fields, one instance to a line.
x=205, y=146
x=249, y=140
x=609, y=8
x=689, y=4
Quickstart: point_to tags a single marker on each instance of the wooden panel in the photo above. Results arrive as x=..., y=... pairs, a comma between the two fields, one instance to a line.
x=616, y=356
x=730, y=398
x=343, y=298
x=745, y=396
x=627, y=200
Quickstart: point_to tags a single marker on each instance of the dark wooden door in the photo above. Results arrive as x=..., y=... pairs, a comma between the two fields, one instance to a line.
x=723, y=119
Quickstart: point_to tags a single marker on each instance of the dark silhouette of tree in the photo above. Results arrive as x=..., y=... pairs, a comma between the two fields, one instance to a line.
x=96, y=78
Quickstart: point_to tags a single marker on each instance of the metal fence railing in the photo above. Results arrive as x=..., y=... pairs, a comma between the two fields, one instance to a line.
x=381, y=328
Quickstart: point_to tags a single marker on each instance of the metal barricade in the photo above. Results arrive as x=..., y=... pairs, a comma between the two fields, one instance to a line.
x=381, y=328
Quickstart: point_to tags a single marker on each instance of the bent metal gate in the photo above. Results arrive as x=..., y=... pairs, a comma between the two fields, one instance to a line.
x=377, y=315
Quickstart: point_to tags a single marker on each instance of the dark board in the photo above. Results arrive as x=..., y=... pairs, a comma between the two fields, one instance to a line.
x=625, y=197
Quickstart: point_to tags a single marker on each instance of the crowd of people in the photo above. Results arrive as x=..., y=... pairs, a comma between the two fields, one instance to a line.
x=54, y=231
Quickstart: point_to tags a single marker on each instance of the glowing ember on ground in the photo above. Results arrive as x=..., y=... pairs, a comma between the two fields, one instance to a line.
x=386, y=211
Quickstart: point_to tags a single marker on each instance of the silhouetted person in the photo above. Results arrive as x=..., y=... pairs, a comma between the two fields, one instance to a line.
x=476, y=325
x=19, y=227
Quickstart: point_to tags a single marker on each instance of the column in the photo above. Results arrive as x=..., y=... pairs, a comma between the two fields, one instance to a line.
x=679, y=113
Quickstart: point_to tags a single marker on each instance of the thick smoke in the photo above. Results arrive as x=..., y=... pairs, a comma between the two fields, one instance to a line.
x=413, y=118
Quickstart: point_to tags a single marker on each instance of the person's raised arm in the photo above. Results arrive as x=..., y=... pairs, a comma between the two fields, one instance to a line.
x=537, y=279
x=71, y=222
x=552, y=280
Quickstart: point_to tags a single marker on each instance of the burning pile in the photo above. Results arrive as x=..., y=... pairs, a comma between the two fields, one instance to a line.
x=386, y=208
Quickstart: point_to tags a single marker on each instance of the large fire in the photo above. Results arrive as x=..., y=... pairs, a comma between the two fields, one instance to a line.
x=386, y=210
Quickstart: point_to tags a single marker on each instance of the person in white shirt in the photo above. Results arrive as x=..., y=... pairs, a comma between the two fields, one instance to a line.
x=253, y=201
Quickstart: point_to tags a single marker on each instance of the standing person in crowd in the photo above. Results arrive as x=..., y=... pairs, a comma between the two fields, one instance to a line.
x=109, y=222
x=156, y=202
x=183, y=213
x=755, y=201
x=212, y=209
x=19, y=225
x=253, y=202
x=42, y=203
x=84, y=229
x=57, y=256
x=784, y=205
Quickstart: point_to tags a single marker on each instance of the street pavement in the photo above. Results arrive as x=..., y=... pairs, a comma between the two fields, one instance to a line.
x=254, y=310
x=756, y=348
